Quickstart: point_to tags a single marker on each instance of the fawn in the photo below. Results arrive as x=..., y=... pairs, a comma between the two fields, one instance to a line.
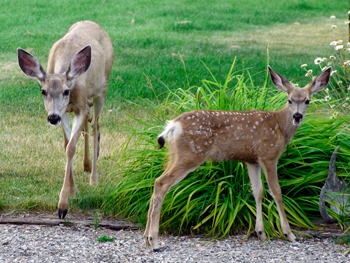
x=257, y=138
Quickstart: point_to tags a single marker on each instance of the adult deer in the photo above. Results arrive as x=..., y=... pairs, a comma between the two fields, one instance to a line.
x=77, y=74
x=257, y=138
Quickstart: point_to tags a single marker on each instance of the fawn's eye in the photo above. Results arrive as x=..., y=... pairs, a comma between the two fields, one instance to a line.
x=43, y=92
x=289, y=101
x=307, y=102
x=66, y=92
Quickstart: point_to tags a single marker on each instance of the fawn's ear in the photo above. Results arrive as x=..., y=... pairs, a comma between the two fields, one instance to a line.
x=79, y=63
x=321, y=81
x=30, y=65
x=280, y=81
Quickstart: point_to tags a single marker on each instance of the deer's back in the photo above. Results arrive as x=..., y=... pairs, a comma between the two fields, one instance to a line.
x=225, y=135
x=79, y=36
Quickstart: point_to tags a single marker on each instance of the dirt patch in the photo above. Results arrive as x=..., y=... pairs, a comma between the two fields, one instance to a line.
x=295, y=37
x=71, y=221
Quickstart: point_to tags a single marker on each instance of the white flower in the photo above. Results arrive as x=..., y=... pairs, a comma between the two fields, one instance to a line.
x=326, y=90
x=334, y=26
x=308, y=73
x=333, y=43
x=332, y=17
x=327, y=98
x=318, y=61
x=339, y=82
x=303, y=66
x=338, y=47
x=333, y=72
x=346, y=63
x=332, y=57
x=335, y=114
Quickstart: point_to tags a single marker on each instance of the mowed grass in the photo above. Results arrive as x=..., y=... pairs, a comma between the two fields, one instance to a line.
x=159, y=45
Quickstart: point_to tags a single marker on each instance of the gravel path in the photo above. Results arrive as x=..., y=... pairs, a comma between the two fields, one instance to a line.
x=35, y=243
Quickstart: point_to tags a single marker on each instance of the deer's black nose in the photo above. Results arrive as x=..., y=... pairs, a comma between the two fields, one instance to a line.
x=297, y=117
x=54, y=119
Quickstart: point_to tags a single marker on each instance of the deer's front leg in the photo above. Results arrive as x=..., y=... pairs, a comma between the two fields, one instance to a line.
x=255, y=179
x=270, y=168
x=67, y=135
x=69, y=187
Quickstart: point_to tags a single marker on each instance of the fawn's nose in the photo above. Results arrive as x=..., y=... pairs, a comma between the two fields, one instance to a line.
x=297, y=117
x=54, y=119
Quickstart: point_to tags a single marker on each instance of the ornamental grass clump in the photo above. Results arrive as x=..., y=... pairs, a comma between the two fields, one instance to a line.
x=216, y=199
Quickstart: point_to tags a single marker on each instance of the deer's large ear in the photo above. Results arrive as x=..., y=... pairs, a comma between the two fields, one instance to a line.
x=30, y=65
x=280, y=81
x=79, y=63
x=321, y=81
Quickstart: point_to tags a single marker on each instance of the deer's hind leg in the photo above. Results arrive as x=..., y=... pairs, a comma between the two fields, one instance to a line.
x=87, y=160
x=174, y=173
x=98, y=105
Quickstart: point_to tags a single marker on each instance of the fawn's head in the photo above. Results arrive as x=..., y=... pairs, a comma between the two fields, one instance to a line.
x=55, y=88
x=299, y=98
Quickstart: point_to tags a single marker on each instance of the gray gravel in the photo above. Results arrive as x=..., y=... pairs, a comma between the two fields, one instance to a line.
x=32, y=243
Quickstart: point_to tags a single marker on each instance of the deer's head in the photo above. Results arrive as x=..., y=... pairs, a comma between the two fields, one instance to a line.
x=299, y=98
x=55, y=88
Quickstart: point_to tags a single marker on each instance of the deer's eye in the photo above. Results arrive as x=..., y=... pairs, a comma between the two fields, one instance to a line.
x=307, y=102
x=66, y=92
x=43, y=92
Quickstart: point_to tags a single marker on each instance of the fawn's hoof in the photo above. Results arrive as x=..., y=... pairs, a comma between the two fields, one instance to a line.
x=290, y=236
x=62, y=213
x=261, y=235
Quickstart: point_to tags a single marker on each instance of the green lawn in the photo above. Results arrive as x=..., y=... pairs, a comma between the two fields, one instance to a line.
x=159, y=45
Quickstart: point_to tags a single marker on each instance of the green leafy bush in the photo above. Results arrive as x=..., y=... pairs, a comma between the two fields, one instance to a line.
x=216, y=198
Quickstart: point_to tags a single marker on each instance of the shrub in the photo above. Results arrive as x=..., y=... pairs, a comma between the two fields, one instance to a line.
x=216, y=198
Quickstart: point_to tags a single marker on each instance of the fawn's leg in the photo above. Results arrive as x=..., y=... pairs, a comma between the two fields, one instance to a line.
x=270, y=169
x=254, y=172
x=173, y=174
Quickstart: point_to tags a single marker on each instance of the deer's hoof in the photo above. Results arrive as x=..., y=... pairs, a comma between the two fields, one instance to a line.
x=261, y=235
x=150, y=242
x=290, y=236
x=160, y=249
x=62, y=213
x=87, y=166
